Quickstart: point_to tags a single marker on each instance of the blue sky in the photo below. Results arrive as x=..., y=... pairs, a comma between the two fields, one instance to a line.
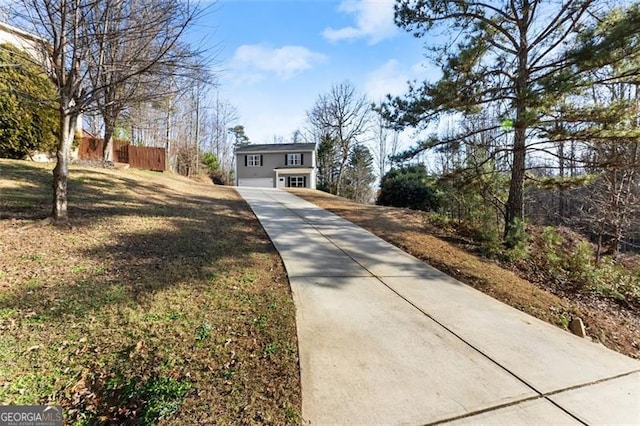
x=275, y=57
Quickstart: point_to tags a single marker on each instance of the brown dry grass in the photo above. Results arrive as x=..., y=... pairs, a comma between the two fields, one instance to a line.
x=410, y=230
x=164, y=294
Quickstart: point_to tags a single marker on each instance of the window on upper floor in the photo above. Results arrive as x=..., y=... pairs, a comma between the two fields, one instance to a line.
x=254, y=160
x=294, y=159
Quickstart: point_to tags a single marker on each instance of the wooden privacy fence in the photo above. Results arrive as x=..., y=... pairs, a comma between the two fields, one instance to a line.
x=123, y=152
x=142, y=157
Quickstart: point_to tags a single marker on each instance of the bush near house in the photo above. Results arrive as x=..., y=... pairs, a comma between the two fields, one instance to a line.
x=28, y=103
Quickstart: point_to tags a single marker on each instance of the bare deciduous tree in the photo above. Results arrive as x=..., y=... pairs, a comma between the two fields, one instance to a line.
x=136, y=48
x=342, y=115
x=74, y=34
x=386, y=143
x=220, y=115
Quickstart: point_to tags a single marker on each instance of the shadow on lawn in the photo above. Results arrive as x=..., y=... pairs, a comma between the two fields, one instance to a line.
x=202, y=235
x=205, y=234
x=91, y=192
x=191, y=239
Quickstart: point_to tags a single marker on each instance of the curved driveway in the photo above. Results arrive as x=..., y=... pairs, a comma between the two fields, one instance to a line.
x=387, y=339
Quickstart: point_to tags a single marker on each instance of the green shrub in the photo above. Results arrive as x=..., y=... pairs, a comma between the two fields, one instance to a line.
x=552, y=245
x=516, y=239
x=574, y=266
x=439, y=220
x=211, y=162
x=28, y=106
x=217, y=175
x=614, y=281
x=411, y=187
x=579, y=265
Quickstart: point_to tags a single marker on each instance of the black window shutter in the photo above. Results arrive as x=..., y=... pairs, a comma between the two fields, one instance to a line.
x=302, y=159
x=261, y=159
x=245, y=160
x=286, y=160
x=304, y=181
x=288, y=181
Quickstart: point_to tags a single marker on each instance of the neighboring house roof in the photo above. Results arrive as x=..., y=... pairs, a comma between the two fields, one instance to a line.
x=276, y=147
x=23, y=40
x=17, y=32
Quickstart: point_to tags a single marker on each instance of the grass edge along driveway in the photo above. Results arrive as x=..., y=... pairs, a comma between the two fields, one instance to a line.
x=163, y=302
x=411, y=231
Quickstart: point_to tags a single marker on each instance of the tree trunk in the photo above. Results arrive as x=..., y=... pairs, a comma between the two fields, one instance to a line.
x=167, y=142
x=344, y=157
x=107, y=155
x=562, y=198
x=515, y=203
x=61, y=171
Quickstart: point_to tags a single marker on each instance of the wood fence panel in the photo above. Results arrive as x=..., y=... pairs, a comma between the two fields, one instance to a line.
x=147, y=158
x=90, y=149
x=123, y=152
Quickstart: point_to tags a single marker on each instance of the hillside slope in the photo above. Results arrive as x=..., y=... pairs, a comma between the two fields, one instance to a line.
x=163, y=300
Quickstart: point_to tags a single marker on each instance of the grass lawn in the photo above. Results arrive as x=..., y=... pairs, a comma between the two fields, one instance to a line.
x=613, y=325
x=164, y=301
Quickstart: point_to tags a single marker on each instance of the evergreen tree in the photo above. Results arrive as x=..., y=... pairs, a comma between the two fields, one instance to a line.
x=513, y=60
x=328, y=164
x=603, y=119
x=239, y=136
x=360, y=175
x=28, y=111
x=411, y=187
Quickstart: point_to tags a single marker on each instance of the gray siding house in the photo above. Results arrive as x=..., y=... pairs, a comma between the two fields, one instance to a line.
x=289, y=165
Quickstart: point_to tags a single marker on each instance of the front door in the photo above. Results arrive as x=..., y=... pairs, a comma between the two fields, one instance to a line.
x=281, y=182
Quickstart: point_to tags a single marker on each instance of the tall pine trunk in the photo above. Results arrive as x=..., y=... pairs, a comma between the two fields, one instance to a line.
x=515, y=202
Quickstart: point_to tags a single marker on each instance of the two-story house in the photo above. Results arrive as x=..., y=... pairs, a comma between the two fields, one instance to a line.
x=289, y=165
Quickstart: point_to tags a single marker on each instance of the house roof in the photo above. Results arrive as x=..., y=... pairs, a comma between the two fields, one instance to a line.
x=35, y=45
x=20, y=33
x=277, y=147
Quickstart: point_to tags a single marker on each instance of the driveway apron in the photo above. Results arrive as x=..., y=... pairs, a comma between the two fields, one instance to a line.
x=386, y=339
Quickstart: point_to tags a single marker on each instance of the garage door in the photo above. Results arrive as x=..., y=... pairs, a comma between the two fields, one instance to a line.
x=256, y=182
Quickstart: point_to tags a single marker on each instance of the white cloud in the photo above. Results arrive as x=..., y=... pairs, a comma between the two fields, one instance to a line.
x=392, y=78
x=373, y=20
x=388, y=78
x=252, y=61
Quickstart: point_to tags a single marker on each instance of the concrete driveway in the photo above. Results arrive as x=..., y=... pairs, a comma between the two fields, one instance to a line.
x=386, y=339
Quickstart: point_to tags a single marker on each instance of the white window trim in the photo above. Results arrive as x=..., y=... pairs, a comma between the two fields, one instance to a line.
x=299, y=181
x=253, y=160
x=294, y=159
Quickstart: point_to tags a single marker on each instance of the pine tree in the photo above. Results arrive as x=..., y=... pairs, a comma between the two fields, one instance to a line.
x=513, y=60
